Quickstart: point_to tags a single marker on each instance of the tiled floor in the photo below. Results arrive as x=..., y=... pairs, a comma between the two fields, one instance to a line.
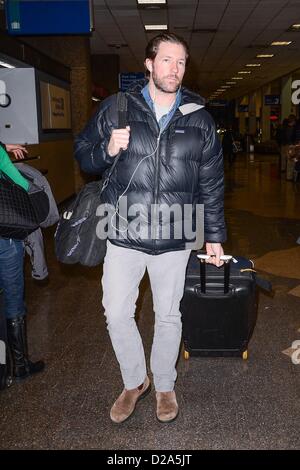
x=225, y=403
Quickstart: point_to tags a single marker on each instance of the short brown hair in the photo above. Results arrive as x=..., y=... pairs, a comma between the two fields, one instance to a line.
x=153, y=45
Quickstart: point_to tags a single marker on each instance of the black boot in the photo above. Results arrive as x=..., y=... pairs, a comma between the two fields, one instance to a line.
x=17, y=338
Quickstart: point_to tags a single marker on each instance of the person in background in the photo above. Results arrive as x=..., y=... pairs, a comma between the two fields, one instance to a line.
x=34, y=247
x=287, y=138
x=172, y=155
x=16, y=149
x=12, y=281
x=227, y=144
x=297, y=132
x=34, y=243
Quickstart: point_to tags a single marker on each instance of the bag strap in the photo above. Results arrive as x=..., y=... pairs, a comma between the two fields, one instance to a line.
x=122, y=110
x=122, y=120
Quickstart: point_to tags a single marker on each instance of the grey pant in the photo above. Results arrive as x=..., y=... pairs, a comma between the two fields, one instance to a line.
x=34, y=246
x=122, y=272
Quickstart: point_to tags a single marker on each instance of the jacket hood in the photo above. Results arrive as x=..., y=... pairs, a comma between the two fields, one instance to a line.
x=187, y=95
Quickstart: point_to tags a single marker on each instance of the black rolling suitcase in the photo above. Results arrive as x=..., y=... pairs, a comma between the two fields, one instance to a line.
x=5, y=372
x=219, y=307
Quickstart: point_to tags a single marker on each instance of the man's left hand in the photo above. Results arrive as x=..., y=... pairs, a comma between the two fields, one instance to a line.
x=215, y=251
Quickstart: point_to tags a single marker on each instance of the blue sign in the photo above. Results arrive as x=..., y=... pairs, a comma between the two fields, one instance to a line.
x=271, y=100
x=126, y=79
x=30, y=17
x=243, y=108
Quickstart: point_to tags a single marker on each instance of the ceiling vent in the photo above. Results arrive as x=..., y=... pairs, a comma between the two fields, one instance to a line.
x=258, y=46
x=117, y=46
x=203, y=30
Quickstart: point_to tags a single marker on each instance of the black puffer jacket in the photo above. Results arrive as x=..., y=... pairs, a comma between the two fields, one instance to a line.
x=186, y=168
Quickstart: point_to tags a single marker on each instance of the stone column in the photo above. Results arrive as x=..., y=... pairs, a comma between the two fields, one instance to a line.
x=74, y=52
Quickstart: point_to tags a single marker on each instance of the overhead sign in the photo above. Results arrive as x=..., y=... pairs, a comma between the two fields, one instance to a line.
x=28, y=17
x=270, y=100
x=218, y=103
x=126, y=79
x=243, y=108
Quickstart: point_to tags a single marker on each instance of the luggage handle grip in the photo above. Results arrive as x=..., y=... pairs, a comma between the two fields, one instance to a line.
x=222, y=258
x=227, y=259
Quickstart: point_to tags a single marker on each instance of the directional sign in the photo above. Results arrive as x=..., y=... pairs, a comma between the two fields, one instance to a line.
x=126, y=79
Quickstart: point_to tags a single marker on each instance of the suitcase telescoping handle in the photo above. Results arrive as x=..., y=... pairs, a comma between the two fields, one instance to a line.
x=226, y=259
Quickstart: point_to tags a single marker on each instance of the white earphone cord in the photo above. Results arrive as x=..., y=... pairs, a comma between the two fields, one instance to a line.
x=144, y=158
x=126, y=189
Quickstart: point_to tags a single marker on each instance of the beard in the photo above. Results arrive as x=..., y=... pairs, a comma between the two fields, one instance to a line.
x=164, y=85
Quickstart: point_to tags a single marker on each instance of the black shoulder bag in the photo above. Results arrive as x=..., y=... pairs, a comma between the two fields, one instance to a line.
x=21, y=212
x=76, y=239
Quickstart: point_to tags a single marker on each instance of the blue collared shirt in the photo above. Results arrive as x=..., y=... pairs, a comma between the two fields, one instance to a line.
x=164, y=120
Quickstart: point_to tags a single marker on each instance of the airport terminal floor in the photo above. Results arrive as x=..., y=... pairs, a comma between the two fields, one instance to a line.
x=225, y=403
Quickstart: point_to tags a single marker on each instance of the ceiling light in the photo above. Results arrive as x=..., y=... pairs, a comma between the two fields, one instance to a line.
x=156, y=27
x=294, y=27
x=203, y=30
x=7, y=65
x=253, y=65
x=237, y=78
x=117, y=46
x=95, y=99
x=225, y=86
x=145, y=2
x=264, y=56
x=244, y=72
x=230, y=83
x=281, y=43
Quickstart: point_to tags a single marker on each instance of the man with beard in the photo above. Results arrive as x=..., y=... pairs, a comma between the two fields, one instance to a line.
x=171, y=155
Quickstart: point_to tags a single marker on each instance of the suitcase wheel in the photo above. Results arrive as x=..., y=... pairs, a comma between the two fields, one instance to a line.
x=186, y=355
x=245, y=355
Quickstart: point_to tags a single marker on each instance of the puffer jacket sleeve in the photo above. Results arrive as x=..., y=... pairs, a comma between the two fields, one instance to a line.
x=211, y=181
x=90, y=146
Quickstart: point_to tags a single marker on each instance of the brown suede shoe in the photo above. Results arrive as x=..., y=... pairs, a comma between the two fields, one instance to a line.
x=167, y=407
x=125, y=405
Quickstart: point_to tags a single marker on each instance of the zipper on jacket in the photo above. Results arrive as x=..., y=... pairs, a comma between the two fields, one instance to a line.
x=156, y=184
x=156, y=177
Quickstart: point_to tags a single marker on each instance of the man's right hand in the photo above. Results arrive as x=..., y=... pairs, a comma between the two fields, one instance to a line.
x=119, y=140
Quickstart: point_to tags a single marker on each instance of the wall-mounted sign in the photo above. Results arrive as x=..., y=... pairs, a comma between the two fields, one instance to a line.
x=270, y=100
x=56, y=108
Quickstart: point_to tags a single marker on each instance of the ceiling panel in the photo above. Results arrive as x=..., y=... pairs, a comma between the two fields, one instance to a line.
x=238, y=30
